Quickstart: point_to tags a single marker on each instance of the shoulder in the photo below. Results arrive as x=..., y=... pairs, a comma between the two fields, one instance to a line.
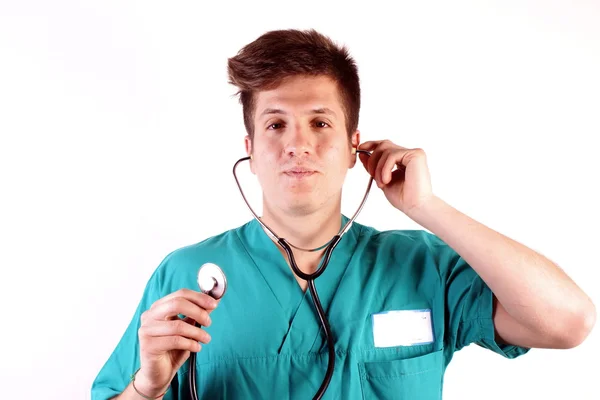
x=191, y=256
x=415, y=247
x=401, y=238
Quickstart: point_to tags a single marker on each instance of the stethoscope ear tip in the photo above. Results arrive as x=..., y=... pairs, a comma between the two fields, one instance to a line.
x=356, y=151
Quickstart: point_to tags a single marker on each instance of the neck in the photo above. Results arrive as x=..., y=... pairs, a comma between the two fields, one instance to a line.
x=305, y=230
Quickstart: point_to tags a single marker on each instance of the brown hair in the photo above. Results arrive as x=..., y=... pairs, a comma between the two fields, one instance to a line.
x=276, y=55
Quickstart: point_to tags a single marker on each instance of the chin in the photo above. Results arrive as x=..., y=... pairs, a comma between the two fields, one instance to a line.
x=299, y=205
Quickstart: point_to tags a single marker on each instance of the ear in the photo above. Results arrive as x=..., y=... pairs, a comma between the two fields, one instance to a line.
x=248, y=144
x=355, y=141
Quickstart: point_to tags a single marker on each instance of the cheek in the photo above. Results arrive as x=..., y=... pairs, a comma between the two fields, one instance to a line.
x=336, y=157
x=265, y=164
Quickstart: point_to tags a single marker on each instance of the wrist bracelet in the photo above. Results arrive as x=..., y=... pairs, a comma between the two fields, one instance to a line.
x=141, y=394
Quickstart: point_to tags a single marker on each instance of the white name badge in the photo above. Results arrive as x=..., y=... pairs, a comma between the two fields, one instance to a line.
x=402, y=328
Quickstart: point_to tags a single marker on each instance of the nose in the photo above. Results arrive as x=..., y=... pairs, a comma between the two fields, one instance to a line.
x=298, y=141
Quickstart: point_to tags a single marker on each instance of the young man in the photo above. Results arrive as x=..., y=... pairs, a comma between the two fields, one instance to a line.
x=399, y=303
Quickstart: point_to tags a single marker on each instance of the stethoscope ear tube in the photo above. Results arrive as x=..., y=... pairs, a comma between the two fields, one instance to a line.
x=270, y=231
x=330, y=246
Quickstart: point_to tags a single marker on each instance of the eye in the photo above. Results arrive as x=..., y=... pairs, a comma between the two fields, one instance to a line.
x=321, y=124
x=275, y=126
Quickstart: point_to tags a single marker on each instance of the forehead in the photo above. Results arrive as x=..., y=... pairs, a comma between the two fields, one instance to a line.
x=299, y=94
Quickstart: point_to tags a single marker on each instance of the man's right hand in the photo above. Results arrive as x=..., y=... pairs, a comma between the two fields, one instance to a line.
x=166, y=340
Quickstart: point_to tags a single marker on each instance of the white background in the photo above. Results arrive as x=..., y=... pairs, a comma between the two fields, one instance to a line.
x=119, y=131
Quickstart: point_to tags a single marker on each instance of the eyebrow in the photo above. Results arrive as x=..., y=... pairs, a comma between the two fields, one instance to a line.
x=324, y=110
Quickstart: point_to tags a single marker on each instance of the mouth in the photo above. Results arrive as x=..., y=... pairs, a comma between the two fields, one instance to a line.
x=299, y=172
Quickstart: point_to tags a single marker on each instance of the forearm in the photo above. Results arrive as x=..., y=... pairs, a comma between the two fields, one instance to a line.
x=533, y=290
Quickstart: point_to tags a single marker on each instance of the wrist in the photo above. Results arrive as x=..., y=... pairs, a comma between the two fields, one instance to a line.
x=421, y=214
x=146, y=388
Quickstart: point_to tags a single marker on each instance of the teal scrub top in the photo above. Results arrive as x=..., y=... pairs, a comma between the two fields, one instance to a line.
x=267, y=341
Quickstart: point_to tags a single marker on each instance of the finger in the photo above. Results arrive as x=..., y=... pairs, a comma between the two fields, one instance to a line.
x=174, y=328
x=201, y=299
x=189, y=320
x=364, y=159
x=412, y=154
x=162, y=344
x=381, y=167
x=393, y=163
x=369, y=145
x=374, y=161
x=387, y=168
x=179, y=305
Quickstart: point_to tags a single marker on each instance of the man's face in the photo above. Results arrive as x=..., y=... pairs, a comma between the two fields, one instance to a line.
x=301, y=151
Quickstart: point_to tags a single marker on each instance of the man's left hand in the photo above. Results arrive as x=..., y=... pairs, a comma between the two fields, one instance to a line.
x=408, y=187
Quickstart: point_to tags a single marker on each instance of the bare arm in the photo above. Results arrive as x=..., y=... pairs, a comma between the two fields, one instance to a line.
x=537, y=304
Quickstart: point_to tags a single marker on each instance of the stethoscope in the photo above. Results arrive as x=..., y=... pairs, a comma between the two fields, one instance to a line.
x=212, y=281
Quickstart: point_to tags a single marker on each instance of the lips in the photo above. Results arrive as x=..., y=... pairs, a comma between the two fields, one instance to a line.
x=299, y=172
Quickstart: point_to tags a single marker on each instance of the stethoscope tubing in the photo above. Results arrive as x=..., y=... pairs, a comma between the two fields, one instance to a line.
x=310, y=278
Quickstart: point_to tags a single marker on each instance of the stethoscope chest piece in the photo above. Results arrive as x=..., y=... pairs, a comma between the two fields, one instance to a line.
x=212, y=281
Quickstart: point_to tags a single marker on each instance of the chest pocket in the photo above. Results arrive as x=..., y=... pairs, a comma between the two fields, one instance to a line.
x=405, y=379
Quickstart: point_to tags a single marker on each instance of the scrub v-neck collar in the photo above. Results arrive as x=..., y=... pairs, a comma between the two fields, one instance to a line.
x=278, y=275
